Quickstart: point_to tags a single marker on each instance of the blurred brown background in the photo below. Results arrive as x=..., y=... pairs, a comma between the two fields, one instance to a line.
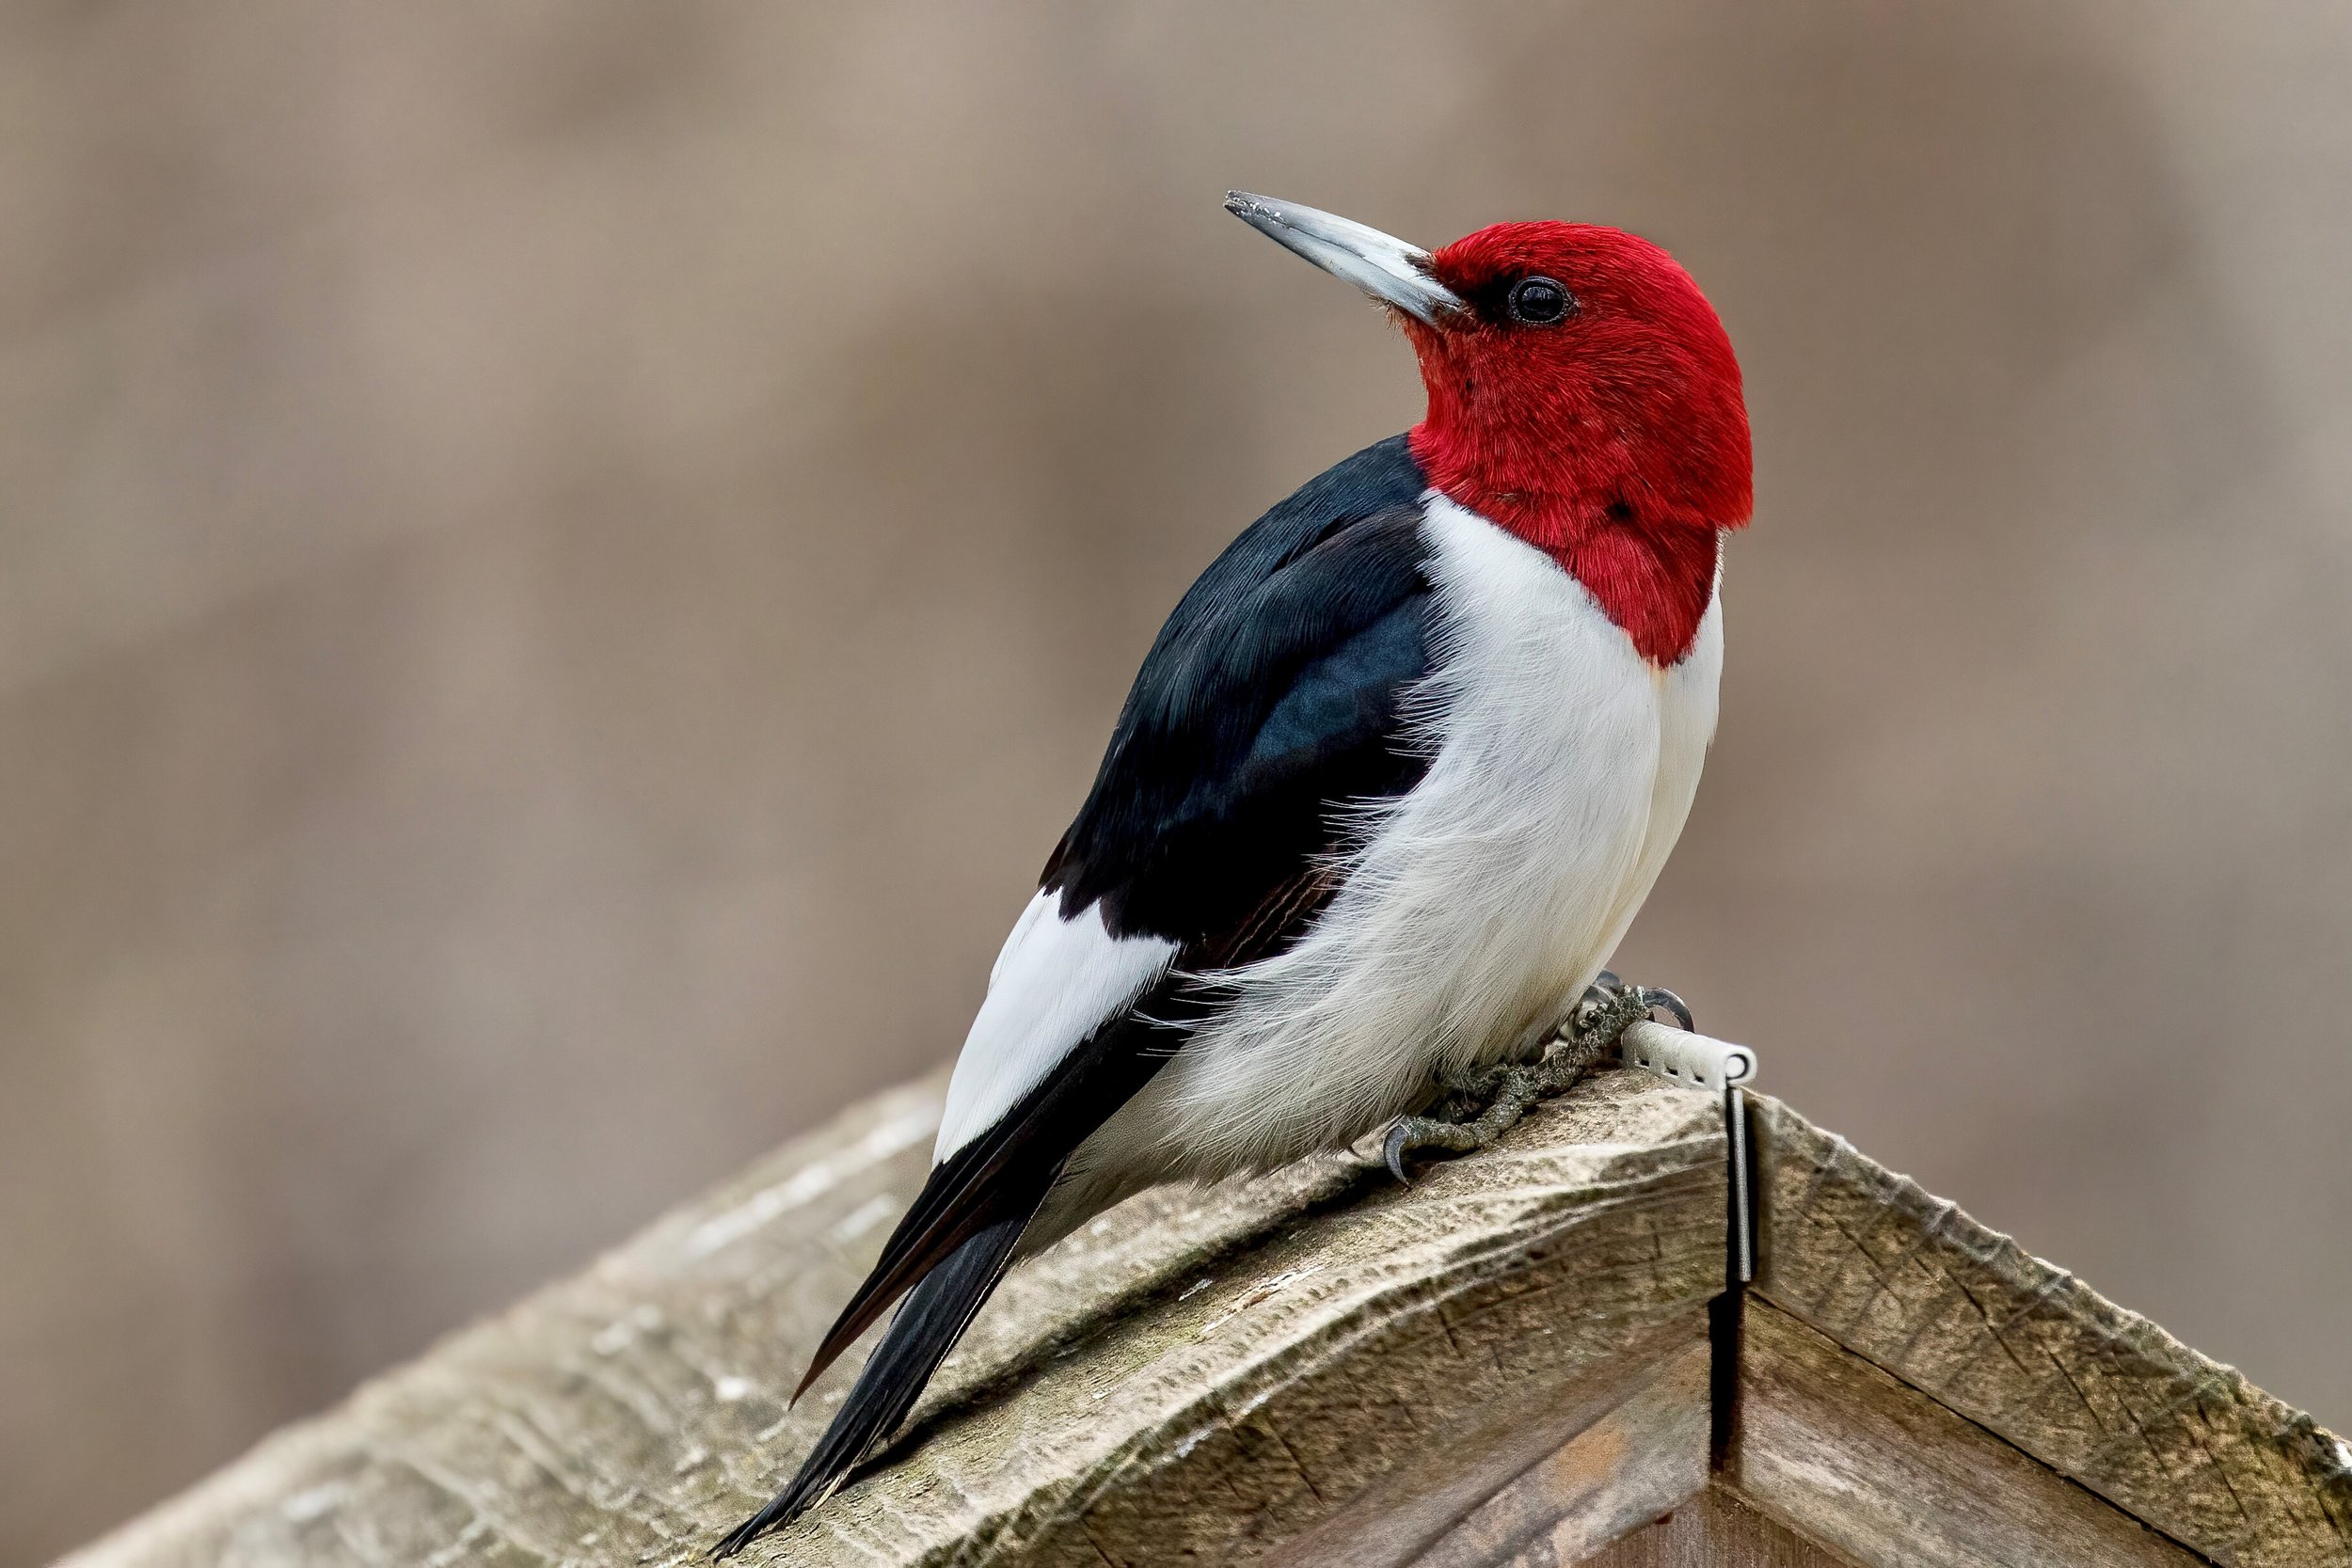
x=562, y=564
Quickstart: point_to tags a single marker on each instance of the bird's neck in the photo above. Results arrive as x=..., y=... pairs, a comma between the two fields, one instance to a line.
x=1599, y=511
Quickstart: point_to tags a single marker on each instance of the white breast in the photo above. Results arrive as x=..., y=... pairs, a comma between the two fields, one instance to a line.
x=1476, y=907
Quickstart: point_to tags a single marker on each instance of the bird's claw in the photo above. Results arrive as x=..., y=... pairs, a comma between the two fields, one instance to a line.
x=1501, y=1095
x=1409, y=1134
x=1609, y=1007
x=1654, y=997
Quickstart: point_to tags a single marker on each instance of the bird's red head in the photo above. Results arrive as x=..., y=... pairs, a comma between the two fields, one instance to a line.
x=1581, y=394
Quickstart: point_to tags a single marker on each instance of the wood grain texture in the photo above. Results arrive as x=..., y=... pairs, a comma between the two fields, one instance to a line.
x=1641, y=1461
x=1850, y=1457
x=1561, y=1449
x=1199, y=1376
x=1714, y=1530
x=1499, y=1365
x=2027, y=1351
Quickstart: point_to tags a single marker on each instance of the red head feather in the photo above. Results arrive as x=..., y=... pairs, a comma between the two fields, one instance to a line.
x=1614, y=436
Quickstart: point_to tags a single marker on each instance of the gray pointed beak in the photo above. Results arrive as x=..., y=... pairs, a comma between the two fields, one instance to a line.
x=1382, y=265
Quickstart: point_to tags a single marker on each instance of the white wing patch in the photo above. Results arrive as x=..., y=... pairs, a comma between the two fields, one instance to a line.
x=1055, y=981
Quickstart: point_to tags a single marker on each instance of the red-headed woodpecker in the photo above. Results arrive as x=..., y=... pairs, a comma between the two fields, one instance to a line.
x=1391, y=783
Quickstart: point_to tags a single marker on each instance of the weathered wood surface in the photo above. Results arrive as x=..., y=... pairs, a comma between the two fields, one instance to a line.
x=1714, y=1530
x=1318, y=1358
x=1504, y=1364
x=1848, y=1457
x=2025, y=1350
x=1638, y=1462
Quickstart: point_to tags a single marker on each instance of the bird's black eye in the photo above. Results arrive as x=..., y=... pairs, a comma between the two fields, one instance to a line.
x=1539, y=301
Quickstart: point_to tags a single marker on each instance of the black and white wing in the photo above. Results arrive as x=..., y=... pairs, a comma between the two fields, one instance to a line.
x=1268, y=704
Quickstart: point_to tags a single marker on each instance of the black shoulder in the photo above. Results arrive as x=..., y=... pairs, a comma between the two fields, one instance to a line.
x=1269, y=701
x=1383, y=477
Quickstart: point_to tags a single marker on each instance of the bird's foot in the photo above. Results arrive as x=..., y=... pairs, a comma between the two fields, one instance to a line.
x=1479, y=1106
x=1609, y=1007
x=1498, y=1095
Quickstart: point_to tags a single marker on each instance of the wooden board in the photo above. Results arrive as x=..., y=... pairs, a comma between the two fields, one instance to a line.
x=1714, y=1530
x=2029, y=1352
x=1847, y=1456
x=1201, y=1376
x=1507, y=1364
x=1642, y=1460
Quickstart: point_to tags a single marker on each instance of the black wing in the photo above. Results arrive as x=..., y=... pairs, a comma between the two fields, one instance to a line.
x=1270, y=701
x=1269, y=697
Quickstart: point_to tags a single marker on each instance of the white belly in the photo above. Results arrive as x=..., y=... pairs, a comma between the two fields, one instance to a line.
x=1477, y=906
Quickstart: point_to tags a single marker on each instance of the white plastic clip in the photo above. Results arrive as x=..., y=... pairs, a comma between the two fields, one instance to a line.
x=1681, y=1057
x=1719, y=1068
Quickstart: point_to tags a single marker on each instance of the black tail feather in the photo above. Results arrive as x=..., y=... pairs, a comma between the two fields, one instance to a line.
x=934, y=1316
x=1008, y=1167
x=962, y=1198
